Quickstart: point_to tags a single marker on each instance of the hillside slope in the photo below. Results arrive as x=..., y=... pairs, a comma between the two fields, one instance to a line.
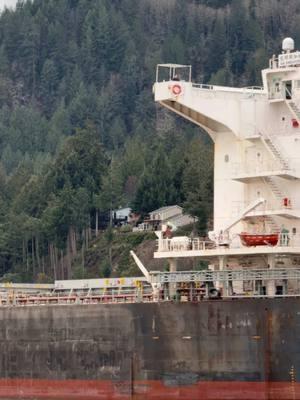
x=80, y=133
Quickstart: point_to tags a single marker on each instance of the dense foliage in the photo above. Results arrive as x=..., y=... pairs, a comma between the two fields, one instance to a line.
x=79, y=130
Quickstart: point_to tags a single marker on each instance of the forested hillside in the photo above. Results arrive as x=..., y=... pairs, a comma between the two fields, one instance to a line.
x=79, y=130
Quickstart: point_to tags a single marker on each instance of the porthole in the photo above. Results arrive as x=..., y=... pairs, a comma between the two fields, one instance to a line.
x=226, y=158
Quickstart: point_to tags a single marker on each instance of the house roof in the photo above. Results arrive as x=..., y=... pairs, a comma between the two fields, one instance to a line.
x=181, y=220
x=122, y=209
x=165, y=208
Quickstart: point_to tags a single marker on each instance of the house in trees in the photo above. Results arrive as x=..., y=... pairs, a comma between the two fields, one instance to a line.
x=169, y=215
x=121, y=216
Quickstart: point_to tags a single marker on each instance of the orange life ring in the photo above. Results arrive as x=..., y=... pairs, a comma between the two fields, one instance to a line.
x=176, y=90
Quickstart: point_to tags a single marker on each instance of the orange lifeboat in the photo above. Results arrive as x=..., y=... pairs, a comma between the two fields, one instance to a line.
x=249, y=240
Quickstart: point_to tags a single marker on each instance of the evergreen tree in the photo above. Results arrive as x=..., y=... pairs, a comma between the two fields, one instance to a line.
x=75, y=91
x=197, y=183
x=156, y=188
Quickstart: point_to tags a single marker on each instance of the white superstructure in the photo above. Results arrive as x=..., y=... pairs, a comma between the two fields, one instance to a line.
x=256, y=135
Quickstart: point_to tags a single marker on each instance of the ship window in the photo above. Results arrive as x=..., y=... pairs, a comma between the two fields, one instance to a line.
x=226, y=158
x=294, y=231
x=283, y=118
x=279, y=290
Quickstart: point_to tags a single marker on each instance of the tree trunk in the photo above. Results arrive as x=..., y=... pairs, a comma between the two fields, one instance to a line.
x=110, y=256
x=83, y=247
x=69, y=250
x=56, y=258
x=74, y=244
x=68, y=259
x=37, y=252
x=71, y=242
x=86, y=237
x=97, y=223
x=33, y=256
x=62, y=264
x=43, y=264
x=50, y=255
x=23, y=251
x=53, y=260
x=27, y=258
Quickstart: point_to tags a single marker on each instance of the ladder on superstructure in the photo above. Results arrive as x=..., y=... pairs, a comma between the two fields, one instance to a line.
x=277, y=154
x=274, y=150
x=294, y=109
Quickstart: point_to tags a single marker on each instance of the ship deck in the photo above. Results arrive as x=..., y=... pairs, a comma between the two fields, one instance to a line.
x=169, y=248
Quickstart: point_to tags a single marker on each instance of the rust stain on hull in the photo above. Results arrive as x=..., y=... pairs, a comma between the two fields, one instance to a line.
x=214, y=350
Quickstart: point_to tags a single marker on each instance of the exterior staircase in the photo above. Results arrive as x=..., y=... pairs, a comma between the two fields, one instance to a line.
x=281, y=199
x=274, y=150
x=278, y=195
x=271, y=225
x=274, y=188
x=294, y=109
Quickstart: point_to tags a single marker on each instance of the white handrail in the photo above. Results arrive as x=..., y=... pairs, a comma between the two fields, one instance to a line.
x=285, y=239
x=255, y=166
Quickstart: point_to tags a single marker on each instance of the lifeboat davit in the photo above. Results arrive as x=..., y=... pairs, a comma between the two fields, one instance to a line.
x=249, y=240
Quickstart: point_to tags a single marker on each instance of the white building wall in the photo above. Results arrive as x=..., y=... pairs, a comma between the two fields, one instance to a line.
x=235, y=119
x=226, y=191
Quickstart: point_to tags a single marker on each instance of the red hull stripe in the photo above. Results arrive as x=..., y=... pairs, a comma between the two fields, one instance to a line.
x=145, y=390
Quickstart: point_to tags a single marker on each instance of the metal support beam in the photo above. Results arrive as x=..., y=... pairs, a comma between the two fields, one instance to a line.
x=271, y=282
x=141, y=266
x=157, y=277
x=173, y=269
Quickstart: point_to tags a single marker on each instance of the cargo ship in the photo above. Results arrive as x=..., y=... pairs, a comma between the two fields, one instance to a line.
x=230, y=331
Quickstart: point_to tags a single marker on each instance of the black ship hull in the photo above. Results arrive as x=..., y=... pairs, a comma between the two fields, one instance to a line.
x=218, y=349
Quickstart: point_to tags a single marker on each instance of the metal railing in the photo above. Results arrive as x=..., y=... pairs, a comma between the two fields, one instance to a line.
x=261, y=88
x=187, y=294
x=255, y=166
x=200, y=285
x=168, y=72
x=225, y=276
x=202, y=86
x=130, y=296
x=198, y=244
x=275, y=148
x=184, y=245
x=269, y=206
x=249, y=89
x=184, y=286
x=289, y=59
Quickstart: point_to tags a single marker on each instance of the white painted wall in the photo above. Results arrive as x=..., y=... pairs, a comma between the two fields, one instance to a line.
x=240, y=115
